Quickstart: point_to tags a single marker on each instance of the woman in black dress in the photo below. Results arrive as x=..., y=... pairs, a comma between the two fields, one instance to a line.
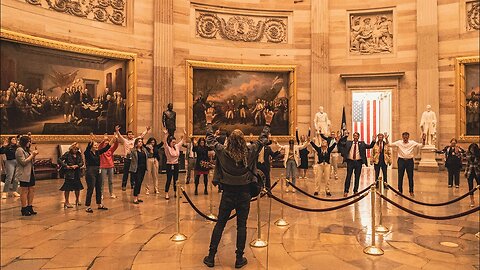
x=453, y=162
x=72, y=163
x=303, y=167
x=202, y=164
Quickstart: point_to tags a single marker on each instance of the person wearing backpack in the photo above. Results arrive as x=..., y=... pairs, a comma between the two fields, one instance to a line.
x=235, y=172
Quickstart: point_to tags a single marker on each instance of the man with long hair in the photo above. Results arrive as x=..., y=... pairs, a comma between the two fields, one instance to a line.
x=236, y=169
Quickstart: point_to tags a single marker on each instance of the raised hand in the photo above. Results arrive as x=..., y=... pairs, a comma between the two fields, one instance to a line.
x=149, y=128
x=117, y=128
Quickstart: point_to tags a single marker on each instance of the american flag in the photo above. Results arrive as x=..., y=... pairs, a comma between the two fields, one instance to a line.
x=365, y=119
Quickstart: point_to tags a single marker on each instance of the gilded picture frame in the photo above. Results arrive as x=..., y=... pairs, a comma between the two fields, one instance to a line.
x=131, y=77
x=462, y=94
x=192, y=65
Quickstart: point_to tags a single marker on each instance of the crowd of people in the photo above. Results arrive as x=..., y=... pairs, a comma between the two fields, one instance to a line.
x=21, y=106
x=234, y=162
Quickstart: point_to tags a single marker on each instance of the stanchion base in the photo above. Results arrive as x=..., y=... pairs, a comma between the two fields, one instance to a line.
x=381, y=229
x=281, y=222
x=178, y=237
x=372, y=250
x=258, y=243
x=212, y=216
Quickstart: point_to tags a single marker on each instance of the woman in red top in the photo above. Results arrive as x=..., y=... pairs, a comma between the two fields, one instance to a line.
x=107, y=165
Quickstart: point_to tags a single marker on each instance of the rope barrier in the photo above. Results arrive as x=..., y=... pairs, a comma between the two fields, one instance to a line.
x=316, y=209
x=432, y=204
x=473, y=210
x=329, y=200
x=214, y=219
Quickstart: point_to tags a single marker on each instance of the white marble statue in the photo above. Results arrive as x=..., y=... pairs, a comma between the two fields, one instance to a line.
x=321, y=121
x=428, y=124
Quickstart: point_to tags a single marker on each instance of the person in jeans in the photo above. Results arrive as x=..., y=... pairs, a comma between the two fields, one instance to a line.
x=322, y=168
x=25, y=160
x=128, y=144
x=381, y=157
x=291, y=160
x=236, y=165
x=138, y=167
x=93, y=175
x=11, y=181
x=472, y=171
x=355, y=153
x=152, y=164
x=172, y=152
x=406, y=153
x=107, y=165
x=191, y=158
x=453, y=162
x=71, y=162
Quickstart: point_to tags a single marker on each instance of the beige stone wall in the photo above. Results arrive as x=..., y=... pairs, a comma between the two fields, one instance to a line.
x=136, y=37
x=454, y=41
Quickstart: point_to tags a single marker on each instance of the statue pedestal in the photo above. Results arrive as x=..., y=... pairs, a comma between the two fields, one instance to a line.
x=428, y=163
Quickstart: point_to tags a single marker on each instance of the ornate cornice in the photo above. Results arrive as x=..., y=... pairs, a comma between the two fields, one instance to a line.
x=241, y=27
x=473, y=15
x=108, y=11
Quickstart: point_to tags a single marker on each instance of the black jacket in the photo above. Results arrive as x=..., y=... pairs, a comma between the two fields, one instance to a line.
x=9, y=151
x=267, y=153
x=344, y=147
x=93, y=158
x=323, y=157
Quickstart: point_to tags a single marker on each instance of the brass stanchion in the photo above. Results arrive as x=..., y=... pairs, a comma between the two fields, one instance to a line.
x=373, y=249
x=281, y=222
x=178, y=236
x=210, y=197
x=259, y=242
x=380, y=228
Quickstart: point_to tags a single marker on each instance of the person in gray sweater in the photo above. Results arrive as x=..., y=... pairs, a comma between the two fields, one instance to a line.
x=236, y=166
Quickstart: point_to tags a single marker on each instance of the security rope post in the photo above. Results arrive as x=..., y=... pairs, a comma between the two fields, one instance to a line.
x=373, y=249
x=281, y=222
x=178, y=236
x=381, y=228
x=259, y=242
x=210, y=197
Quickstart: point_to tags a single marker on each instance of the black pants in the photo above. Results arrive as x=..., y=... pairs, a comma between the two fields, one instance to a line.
x=240, y=201
x=353, y=166
x=470, y=178
x=380, y=166
x=94, y=180
x=126, y=171
x=172, y=172
x=197, y=181
x=453, y=176
x=266, y=172
x=137, y=178
x=405, y=165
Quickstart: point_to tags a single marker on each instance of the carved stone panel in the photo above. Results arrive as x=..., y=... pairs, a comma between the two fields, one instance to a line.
x=371, y=33
x=246, y=28
x=473, y=15
x=108, y=11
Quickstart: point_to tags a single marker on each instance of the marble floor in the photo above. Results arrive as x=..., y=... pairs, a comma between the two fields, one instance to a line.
x=130, y=236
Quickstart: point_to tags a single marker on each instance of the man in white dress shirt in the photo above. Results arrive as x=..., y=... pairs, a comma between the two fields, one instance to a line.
x=406, y=153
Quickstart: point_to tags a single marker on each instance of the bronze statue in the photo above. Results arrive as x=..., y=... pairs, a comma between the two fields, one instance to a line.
x=169, y=119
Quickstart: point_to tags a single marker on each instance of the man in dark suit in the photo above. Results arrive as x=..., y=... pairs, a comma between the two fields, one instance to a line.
x=263, y=162
x=354, y=152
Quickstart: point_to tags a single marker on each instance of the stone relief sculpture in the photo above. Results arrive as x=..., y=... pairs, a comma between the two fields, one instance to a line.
x=371, y=33
x=241, y=28
x=473, y=15
x=109, y=11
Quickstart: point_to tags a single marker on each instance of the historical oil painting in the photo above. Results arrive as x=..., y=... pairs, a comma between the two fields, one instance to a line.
x=472, y=93
x=240, y=99
x=51, y=92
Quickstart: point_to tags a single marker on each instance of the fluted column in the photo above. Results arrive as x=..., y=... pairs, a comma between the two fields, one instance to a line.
x=427, y=59
x=162, y=61
x=320, y=82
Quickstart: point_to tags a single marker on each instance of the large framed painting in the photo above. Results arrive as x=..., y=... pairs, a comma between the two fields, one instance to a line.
x=59, y=91
x=240, y=96
x=467, y=71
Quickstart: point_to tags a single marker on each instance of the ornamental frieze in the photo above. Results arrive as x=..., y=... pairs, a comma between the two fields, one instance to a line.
x=473, y=15
x=371, y=33
x=108, y=11
x=244, y=28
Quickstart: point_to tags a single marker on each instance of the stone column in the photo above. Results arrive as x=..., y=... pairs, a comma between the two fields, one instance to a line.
x=427, y=72
x=162, y=61
x=320, y=80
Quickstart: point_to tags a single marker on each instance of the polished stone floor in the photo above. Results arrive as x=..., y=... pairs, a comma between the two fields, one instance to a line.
x=130, y=236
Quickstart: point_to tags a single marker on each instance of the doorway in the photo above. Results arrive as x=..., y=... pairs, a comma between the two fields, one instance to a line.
x=371, y=113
